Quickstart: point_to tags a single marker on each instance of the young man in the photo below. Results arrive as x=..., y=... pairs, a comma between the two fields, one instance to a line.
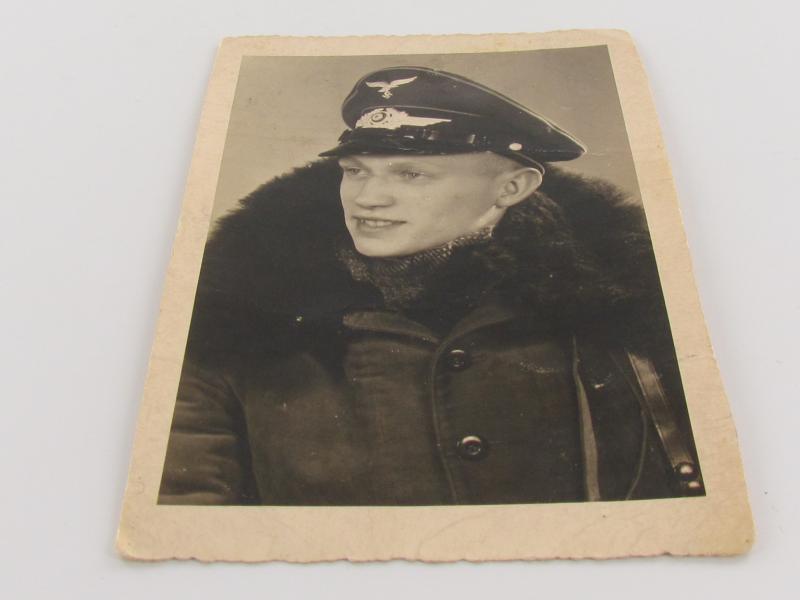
x=433, y=314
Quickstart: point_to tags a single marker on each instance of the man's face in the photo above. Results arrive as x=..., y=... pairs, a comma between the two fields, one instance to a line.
x=399, y=205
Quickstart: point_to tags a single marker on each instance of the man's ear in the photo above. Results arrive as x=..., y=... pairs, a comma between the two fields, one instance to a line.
x=517, y=185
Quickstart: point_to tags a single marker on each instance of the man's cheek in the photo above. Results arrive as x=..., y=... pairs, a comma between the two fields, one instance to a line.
x=348, y=192
x=442, y=220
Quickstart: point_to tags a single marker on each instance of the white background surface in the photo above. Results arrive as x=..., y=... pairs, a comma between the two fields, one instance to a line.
x=98, y=106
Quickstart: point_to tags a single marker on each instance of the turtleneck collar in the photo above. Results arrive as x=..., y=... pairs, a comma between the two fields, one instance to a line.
x=402, y=280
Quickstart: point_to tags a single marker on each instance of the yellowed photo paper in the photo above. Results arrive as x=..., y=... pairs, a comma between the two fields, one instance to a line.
x=431, y=299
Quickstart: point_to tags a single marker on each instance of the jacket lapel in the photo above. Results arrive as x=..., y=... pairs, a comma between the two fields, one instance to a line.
x=620, y=450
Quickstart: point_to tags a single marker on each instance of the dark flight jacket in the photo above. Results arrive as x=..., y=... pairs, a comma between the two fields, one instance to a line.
x=336, y=401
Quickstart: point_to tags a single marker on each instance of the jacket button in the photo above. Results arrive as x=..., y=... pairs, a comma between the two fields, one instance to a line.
x=472, y=447
x=457, y=359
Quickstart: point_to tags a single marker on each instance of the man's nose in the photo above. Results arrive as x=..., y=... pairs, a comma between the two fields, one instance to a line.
x=374, y=194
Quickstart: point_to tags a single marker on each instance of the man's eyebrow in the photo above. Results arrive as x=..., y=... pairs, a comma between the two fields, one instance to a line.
x=412, y=164
x=350, y=159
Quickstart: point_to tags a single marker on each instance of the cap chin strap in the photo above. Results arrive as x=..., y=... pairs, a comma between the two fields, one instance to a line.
x=431, y=141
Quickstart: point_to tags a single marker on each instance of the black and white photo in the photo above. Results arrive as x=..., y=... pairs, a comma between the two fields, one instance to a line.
x=434, y=311
x=431, y=298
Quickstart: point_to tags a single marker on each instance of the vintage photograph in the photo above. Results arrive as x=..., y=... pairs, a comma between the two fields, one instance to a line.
x=430, y=298
x=455, y=302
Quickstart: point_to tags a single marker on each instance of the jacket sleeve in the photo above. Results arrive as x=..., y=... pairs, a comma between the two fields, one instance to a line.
x=208, y=457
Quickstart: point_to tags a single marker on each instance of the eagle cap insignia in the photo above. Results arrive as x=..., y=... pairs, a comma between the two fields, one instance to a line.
x=385, y=87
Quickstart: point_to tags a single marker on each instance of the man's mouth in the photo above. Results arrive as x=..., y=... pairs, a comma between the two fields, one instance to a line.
x=375, y=224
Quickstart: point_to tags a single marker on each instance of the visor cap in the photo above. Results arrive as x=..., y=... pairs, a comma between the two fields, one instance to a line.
x=424, y=111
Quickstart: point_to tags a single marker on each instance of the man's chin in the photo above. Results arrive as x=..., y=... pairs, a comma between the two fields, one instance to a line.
x=376, y=251
x=380, y=248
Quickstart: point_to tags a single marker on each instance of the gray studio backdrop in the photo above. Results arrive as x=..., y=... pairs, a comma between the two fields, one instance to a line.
x=286, y=109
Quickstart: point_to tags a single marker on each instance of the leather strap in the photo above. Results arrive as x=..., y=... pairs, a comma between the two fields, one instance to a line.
x=654, y=401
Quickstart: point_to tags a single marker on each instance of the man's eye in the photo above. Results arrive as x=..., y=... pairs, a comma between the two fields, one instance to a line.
x=351, y=170
x=412, y=174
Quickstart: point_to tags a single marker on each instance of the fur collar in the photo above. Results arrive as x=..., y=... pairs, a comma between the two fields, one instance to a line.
x=576, y=254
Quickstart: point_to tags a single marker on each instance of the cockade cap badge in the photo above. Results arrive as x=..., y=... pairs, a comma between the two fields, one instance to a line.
x=385, y=88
